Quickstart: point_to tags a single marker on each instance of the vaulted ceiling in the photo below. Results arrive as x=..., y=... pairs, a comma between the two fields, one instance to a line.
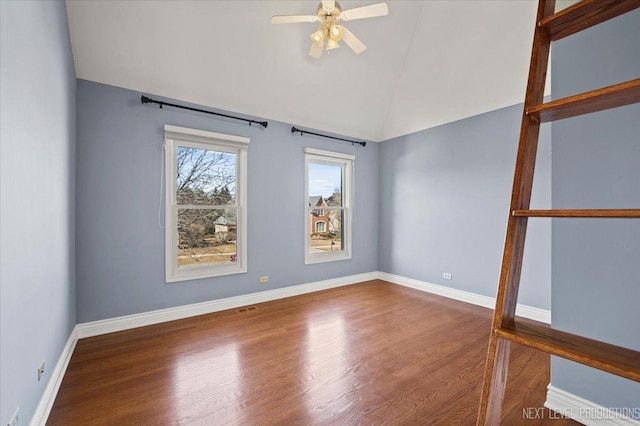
x=427, y=63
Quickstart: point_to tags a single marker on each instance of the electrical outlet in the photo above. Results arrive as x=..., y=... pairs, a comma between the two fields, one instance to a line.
x=264, y=279
x=446, y=276
x=14, y=419
x=40, y=371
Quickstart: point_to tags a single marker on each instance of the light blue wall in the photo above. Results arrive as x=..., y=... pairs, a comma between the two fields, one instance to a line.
x=37, y=204
x=120, y=259
x=596, y=164
x=444, y=202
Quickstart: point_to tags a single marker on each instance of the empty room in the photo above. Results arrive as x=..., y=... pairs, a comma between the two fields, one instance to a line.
x=320, y=212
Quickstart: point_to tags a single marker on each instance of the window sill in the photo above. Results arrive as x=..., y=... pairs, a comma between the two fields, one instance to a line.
x=199, y=273
x=328, y=257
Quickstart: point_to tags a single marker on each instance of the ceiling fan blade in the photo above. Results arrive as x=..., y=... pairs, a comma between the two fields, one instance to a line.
x=290, y=19
x=380, y=9
x=328, y=4
x=352, y=41
x=315, y=51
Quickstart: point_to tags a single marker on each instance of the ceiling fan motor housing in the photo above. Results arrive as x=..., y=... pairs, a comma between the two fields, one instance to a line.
x=330, y=15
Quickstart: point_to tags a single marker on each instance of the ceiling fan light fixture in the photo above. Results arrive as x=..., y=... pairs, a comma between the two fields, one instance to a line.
x=332, y=44
x=317, y=38
x=336, y=32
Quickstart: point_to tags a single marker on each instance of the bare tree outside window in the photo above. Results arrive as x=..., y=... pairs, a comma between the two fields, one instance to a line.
x=206, y=198
x=336, y=216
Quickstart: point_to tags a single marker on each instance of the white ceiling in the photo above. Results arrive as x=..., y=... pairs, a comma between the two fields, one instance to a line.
x=427, y=63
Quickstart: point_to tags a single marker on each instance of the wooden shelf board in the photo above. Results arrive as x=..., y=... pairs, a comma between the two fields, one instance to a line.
x=585, y=14
x=584, y=103
x=604, y=356
x=602, y=213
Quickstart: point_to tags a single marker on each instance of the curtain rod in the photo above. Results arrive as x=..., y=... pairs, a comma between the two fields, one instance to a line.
x=146, y=100
x=302, y=132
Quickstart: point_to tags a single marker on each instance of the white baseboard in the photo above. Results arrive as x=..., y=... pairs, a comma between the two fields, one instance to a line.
x=584, y=411
x=43, y=409
x=525, y=311
x=96, y=328
x=127, y=322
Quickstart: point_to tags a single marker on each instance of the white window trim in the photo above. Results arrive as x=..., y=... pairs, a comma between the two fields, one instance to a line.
x=238, y=145
x=332, y=158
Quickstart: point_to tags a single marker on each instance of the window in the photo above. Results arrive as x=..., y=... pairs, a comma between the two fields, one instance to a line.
x=328, y=184
x=206, y=199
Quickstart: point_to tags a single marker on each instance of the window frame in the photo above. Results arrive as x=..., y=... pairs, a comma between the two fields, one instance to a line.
x=200, y=139
x=346, y=161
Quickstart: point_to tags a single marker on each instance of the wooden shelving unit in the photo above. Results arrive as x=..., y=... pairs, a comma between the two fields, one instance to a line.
x=506, y=327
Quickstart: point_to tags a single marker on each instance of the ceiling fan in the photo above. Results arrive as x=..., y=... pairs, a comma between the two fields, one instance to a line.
x=329, y=13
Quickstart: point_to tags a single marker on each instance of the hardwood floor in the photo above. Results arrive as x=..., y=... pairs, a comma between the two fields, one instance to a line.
x=372, y=353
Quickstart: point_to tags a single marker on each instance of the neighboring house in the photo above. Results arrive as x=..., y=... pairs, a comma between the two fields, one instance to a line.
x=322, y=220
x=319, y=217
x=226, y=229
x=225, y=224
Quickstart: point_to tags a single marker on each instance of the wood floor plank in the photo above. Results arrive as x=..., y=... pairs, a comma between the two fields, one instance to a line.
x=370, y=353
